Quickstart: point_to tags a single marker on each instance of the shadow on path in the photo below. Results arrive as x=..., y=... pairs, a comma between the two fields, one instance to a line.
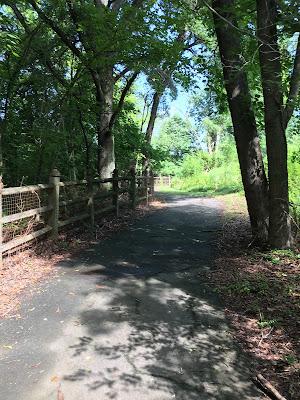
x=143, y=323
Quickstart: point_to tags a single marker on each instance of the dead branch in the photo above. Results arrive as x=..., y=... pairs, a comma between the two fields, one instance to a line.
x=263, y=384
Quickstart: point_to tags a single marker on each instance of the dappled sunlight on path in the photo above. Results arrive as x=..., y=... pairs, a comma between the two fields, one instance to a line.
x=144, y=323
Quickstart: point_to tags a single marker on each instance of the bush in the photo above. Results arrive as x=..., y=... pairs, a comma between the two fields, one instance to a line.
x=294, y=178
x=218, y=171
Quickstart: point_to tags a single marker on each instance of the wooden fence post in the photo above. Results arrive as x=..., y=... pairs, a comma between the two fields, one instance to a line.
x=115, y=187
x=1, y=224
x=54, y=181
x=133, y=188
x=152, y=182
x=147, y=186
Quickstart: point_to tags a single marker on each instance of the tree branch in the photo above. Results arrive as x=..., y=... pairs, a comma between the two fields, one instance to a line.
x=20, y=17
x=75, y=19
x=243, y=31
x=67, y=41
x=122, y=99
x=45, y=59
x=116, y=4
x=121, y=74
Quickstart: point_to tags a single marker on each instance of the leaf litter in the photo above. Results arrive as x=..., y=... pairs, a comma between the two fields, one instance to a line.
x=23, y=272
x=261, y=294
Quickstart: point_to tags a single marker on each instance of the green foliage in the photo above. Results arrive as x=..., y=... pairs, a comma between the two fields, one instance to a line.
x=257, y=286
x=266, y=323
x=217, y=172
x=49, y=112
x=129, y=140
x=176, y=139
x=294, y=178
x=48, y=91
x=291, y=359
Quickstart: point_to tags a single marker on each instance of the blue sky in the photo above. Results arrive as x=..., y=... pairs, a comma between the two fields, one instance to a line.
x=179, y=106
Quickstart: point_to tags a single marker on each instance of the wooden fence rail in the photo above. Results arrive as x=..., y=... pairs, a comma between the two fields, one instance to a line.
x=29, y=212
x=162, y=180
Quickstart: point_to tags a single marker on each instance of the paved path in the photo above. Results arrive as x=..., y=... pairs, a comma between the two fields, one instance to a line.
x=131, y=318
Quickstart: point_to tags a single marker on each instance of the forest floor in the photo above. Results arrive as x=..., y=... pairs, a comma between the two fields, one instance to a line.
x=261, y=292
x=131, y=317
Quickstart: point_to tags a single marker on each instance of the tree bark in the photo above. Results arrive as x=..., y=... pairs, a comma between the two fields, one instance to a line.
x=271, y=76
x=106, y=152
x=153, y=115
x=243, y=119
x=107, y=117
x=150, y=127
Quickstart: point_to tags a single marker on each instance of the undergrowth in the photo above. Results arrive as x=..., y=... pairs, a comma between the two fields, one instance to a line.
x=261, y=292
x=218, y=173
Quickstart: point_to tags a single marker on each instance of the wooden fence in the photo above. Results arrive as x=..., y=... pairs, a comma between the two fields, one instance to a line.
x=162, y=181
x=29, y=212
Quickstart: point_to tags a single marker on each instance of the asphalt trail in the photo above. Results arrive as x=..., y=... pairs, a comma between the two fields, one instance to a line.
x=130, y=318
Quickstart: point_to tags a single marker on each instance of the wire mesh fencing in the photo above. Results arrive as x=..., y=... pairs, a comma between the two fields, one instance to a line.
x=24, y=213
x=29, y=212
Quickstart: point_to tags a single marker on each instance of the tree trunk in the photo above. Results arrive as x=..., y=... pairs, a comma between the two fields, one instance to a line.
x=107, y=156
x=150, y=127
x=153, y=115
x=243, y=119
x=271, y=76
x=106, y=148
x=211, y=141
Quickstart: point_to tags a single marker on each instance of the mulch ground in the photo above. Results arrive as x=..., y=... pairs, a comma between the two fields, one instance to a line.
x=261, y=291
x=24, y=270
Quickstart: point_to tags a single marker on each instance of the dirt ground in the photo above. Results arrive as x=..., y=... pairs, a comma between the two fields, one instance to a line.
x=261, y=291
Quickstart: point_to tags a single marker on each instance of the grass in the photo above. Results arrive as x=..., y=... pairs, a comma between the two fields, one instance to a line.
x=204, y=192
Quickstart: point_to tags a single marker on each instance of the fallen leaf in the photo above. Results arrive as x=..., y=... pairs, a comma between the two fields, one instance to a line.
x=8, y=347
x=54, y=378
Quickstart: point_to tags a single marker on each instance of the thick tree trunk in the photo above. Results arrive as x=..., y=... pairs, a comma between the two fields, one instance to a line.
x=106, y=148
x=271, y=75
x=243, y=119
x=150, y=127
x=107, y=162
